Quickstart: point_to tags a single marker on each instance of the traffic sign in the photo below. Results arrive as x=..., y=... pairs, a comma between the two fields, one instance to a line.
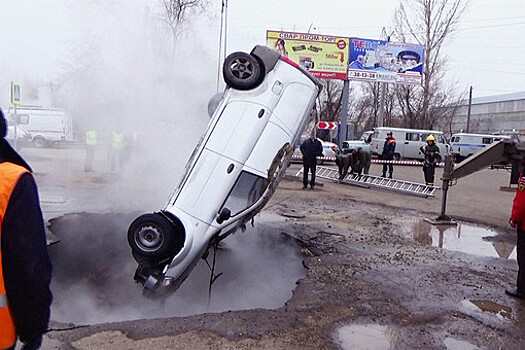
x=15, y=93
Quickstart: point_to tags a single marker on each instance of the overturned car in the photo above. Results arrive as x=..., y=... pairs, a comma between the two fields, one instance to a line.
x=232, y=172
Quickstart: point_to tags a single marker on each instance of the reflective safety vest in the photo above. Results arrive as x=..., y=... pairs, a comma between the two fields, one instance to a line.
x=91, y=138
x=118, y=139
x=9, y=175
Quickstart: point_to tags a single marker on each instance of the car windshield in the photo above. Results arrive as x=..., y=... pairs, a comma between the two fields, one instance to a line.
x=247, y=190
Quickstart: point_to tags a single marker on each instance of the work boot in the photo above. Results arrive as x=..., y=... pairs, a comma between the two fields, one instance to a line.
x=515, y=293
x=390, y=175
x=384, y=175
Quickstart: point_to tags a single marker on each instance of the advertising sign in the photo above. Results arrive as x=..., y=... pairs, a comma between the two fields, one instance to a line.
x=385, y=61
x=323, y=56
x=15, y=93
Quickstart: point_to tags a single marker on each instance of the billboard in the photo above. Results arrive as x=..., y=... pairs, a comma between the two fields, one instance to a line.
x=323, y=56
x=385, y=61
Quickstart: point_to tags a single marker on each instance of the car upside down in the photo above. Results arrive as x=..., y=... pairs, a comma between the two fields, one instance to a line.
x=233, y=170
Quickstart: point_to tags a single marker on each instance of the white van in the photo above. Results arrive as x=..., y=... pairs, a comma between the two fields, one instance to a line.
x=47, y=127
x=408, y=142
x=463, y=145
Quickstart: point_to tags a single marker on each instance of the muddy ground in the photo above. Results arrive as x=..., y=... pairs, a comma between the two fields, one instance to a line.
x=368, y=262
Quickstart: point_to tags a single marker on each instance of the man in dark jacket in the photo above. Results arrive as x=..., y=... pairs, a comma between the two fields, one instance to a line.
x=389, y=149
x=432, y=158
x=343, y=161
x=311, y=148
x=26, y=268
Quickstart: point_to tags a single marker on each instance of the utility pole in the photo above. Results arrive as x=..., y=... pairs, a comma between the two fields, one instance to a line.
x=382, y=93
x=469, y=105
x=222, y=40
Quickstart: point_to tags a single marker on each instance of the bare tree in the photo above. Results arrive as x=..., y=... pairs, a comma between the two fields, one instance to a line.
x=178, y=11
x=429, y=23
x=331, y=100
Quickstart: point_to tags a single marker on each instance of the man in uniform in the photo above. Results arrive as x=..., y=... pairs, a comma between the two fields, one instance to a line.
x=432, y=158
x=343, y=161
x=517, y=220
x=389, y=149
x=25, y=271
x=361, y=160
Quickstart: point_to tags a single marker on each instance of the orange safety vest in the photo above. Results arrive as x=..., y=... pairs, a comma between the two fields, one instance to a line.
x=9, y=175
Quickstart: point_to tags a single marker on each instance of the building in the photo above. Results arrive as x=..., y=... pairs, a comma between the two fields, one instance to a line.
x=492, y=114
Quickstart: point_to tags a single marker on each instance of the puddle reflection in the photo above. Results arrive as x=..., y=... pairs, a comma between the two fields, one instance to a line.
x=367, y=336
x=462, y=237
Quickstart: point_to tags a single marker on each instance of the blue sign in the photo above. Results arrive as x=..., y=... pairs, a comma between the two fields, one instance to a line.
x=385, y=61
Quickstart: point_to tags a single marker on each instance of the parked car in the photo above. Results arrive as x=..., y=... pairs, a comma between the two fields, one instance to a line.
x=463, y=145
x=232, y=172
x=354, y=144
x=408, y=142
x=330, y=151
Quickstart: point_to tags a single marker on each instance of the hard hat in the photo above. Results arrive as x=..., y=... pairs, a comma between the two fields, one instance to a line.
x=431, y=138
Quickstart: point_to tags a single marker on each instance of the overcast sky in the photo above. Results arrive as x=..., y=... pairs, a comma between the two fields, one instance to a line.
x=488, y=51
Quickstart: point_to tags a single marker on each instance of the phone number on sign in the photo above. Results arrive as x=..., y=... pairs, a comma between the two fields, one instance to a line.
x=362, y=75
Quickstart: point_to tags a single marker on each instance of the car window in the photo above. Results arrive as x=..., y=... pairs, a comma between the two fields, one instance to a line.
x=455, y=139
x=247, y=190
x=487, y=140
x=412, y=136
x=440, y=139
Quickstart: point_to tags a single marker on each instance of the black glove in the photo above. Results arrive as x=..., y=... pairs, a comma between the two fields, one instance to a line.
x=32, y=344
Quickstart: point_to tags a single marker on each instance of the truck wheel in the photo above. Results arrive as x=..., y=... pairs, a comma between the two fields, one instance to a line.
x=152, y=237
x=39, y=142
x=242, y=71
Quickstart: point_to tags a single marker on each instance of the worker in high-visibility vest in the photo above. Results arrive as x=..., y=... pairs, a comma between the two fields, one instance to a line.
x=25, y=272
x=91, y=146
x=117, y=146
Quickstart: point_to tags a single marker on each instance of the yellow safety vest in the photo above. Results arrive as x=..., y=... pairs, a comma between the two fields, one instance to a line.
x=9, y=175
x=118, y=139
x=91, y=138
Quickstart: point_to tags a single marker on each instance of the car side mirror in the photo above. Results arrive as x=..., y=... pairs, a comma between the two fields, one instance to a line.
x=223, y=215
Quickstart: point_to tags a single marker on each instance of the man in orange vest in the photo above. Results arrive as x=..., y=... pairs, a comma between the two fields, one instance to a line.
x=517, y=220
x=25, y=272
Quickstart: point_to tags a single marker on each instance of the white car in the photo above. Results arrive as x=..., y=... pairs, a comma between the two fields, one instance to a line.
x=330, y=151
x=354, y=144
x=233, y=171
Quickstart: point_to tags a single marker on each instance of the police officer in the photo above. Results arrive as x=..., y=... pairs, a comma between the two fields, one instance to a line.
x=432, y=158
x=25, y=297
x=311, y=148
x=389, y=149
x=517, y=220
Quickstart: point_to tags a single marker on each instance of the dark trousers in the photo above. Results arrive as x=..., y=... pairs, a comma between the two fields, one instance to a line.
x=390, y=168
x=520, y=250
x=311, y=168
x=429, y=172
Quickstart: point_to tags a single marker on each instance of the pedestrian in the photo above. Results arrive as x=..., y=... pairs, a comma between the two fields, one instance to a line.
x=389, y=149
x=91, y=145
x=25, y=274
x=517, y=220
x=117, y=146
x=361, y=160
x=431, y=160
x=343, y=161
x=311, y=148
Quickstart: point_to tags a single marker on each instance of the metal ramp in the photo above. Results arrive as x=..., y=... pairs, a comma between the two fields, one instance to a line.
x=408, y=187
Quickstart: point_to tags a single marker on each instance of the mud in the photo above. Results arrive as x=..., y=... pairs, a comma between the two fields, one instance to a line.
x=362, y=270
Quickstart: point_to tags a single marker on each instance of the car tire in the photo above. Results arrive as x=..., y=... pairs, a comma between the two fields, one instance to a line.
x=39, y=142
x=242, y=71
x=152, y=237
x=397, y=156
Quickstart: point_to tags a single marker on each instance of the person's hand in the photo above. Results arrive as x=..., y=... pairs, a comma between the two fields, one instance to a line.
x=512, y=223
x=32, y=344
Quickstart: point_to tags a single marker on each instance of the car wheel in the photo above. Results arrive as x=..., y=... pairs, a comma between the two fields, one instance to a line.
x=397, y=156
x=39, y=142
x=152, y=237
x=242, y=71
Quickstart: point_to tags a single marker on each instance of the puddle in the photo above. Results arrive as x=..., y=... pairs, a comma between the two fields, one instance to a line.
x=466, y=238
x=93, y=273
x=454, y=344
x=366, y=336
x=501, y=311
